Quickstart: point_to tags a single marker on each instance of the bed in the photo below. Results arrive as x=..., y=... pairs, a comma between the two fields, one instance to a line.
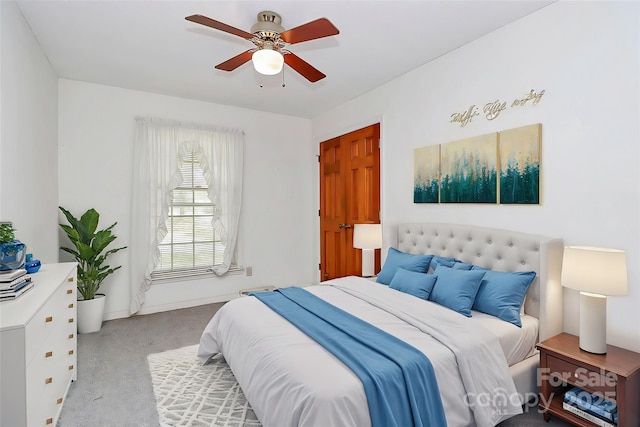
x=290, y=380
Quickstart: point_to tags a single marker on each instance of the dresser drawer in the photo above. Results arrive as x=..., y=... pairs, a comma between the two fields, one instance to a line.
x=48, y=376
x=579, y=376
x=45, y=405
x=53, y=314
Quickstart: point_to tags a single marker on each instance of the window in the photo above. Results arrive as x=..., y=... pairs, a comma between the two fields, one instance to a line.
x=191, y=245
x=186, y=176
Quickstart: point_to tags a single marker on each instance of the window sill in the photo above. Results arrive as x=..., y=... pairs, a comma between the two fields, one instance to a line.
x=169, y=277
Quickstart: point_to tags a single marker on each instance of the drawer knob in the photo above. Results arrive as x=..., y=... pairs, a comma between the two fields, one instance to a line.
x=48, y=380
x=59, y=401
x=70, y=352
x=48, y=354
x=71, y=336
x=49, y=421
x=71, y=305
x=70, y=279
x=48, y=319
x=71, y=320
x=71, y=367
x=69, y=291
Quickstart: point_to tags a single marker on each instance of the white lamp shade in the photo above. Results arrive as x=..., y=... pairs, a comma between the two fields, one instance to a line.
x=267, y=61
x=367, y=236
x=595, y=270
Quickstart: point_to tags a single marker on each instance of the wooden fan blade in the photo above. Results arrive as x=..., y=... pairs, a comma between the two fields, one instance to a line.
x=203, y=20
x=317, y=29
x=235, y=62
x=305, y=69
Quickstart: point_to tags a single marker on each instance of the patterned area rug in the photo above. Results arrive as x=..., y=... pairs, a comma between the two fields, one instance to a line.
x=190, y=394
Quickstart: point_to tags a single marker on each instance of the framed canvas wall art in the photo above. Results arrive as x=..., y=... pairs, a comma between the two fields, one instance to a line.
x=469, y=170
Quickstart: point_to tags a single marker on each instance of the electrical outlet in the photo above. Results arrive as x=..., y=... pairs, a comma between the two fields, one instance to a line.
x=249, y=271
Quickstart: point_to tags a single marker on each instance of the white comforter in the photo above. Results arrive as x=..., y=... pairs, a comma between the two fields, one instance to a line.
x=290, y=380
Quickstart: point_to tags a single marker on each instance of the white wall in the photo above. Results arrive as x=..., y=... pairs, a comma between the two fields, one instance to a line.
x=585, y=55
x=95, y=155
x=28, y=137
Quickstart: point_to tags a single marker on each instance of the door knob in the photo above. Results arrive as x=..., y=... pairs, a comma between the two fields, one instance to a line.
x=344, y=226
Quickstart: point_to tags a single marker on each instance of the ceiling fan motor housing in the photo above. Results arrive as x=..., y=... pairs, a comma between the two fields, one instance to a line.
x=268, y=25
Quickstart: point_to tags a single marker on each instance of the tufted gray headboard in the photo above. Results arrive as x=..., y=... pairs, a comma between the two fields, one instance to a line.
x=500, y=250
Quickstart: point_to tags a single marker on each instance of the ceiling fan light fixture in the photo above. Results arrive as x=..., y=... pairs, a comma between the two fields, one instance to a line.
x=267, y=61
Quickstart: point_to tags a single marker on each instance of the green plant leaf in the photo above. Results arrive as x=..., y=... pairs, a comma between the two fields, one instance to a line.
x=101, y=240
x=90, y=221
x=72, y=252
x=6, y=233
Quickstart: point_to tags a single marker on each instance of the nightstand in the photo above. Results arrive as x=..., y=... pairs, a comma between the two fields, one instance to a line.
x=615, y=375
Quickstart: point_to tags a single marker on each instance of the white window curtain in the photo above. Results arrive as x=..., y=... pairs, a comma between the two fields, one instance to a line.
x=157, y=157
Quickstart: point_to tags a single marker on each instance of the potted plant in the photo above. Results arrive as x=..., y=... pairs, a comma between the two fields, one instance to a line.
x=89, y=251
x=12, y=251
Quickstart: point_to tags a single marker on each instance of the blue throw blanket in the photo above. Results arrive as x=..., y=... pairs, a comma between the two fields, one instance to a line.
x=398, y=379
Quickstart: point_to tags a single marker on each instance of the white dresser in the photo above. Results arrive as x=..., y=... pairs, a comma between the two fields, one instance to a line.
x=38, y=348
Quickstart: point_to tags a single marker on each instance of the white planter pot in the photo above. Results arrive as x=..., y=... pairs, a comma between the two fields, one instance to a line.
x=90, y=314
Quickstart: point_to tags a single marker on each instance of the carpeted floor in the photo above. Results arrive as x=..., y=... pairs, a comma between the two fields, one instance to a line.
x=114, y=386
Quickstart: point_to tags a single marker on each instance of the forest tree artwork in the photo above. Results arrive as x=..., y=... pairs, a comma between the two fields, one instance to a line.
x=469, y=170
x=426, y=172
x=500, y=167
x=520, y=165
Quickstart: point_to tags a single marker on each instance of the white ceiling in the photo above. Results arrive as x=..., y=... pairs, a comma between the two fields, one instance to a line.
x=149, y=46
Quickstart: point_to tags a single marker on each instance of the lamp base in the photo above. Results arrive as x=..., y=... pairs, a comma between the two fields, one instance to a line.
x=368, y=263
x=593, y=323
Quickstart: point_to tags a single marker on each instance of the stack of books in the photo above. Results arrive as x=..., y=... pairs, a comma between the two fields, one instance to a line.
x=600, y=411
x=14, y=283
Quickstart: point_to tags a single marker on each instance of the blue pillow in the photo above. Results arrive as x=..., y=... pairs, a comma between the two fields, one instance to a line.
x=456, y=289
x=395, y=259
x=440, y=260
x=412, y=282
x=501, y=294
x=459, y=265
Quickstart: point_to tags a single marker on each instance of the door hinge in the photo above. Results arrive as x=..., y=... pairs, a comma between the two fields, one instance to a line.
x=319, y=266
x=319, y=212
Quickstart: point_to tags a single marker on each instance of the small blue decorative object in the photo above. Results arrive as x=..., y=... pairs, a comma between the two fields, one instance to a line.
x=32, y=265
x=12, y=255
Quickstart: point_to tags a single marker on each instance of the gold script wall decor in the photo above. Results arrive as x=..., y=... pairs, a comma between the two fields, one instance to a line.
x=493, y=109
x=465, y=117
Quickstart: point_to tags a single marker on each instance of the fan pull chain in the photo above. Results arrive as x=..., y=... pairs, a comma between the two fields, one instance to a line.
x=283, y=77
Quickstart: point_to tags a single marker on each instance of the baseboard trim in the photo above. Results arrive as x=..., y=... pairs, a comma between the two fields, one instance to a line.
x=115, y=315
x=185, y=304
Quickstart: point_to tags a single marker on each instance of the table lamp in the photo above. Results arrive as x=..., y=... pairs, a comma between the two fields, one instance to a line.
x=367, y=237
x=595, y=272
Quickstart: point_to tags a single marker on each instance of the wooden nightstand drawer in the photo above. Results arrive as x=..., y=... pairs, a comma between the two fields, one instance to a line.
x=594, y=381
x=614, y=376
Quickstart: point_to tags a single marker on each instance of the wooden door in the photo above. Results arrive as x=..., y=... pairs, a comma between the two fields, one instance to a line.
x=349, y=194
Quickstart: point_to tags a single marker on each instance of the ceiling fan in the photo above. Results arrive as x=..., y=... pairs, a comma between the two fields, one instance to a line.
x=271, y=41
